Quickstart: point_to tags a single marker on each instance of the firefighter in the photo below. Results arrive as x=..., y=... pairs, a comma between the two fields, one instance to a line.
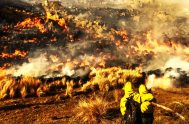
x=139, y=93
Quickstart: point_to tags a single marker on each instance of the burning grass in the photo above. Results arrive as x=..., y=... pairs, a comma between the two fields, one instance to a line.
x=17, y=53
x=30, y=23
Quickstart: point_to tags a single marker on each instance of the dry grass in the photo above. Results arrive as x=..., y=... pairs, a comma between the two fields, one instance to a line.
x=30, y=86
x=10, y=88
x=69, y=88
x=110, y=77
x=91, y=110
x=26, y=86
x=118, y=94
x=166, y=116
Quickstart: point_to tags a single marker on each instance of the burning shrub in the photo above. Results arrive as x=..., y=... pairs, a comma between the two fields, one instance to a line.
x=93, y=111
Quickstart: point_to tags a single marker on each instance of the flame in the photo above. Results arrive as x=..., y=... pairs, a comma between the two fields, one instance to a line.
x=33, y=40
x=152, y=45
x=60, y=21
x=17, y=53
x=54, y=58
x=32, y=22
x=2, y=73
x=122, y=33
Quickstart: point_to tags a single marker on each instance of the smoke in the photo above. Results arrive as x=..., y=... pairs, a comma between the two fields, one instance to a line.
x=161, y=82
x=36, y=67
x=175, y=73
x=163, y=18
x=43, y=65
x=73, y=59
x=177, y=63
x=167, y=21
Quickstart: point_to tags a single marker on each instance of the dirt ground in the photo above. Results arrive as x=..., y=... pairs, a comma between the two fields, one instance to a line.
x=58, y=109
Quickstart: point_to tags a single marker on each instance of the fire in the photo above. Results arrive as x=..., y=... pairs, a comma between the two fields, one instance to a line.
x=33, y=40
x=92, y=28
x=122, y=33
x=132, y=47
x=2, y=73
x=17, y=53
x=152, y=45
x=32, y=22
x=55, y=17
x=40, y=24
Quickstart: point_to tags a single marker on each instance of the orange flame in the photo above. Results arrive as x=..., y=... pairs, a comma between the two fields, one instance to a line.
x=30, y=23
x=122, y=34
x=15, y=54
x=60, y=21
x=151, y=45
x=33, y=40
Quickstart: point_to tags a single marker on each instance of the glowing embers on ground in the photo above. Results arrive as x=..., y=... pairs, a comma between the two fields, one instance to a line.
x=30, y=23
x=33, y=40
x=16, y=53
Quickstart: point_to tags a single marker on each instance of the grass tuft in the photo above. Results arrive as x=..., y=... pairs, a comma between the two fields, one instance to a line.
x=92, y=110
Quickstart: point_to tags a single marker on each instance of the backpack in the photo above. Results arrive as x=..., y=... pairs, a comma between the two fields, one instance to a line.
x=133, y=112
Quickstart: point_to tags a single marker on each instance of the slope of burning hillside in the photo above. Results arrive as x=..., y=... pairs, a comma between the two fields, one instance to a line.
x=73, y=51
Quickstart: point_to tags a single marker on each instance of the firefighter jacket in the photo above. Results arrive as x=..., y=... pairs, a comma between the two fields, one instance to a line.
x=143, y=97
